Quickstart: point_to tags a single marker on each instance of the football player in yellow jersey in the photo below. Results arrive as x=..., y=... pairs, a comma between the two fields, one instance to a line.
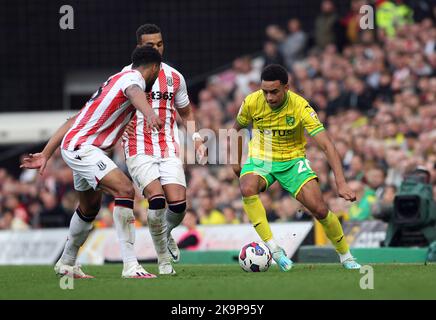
x=277, y=152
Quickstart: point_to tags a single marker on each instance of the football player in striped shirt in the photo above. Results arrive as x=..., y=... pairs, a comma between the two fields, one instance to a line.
x=152, y=157
x=277, y=153
x=85, y=137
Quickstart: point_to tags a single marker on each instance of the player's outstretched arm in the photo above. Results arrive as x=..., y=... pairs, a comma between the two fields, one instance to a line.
x=39, y=160
x=237, y=166
x=139, y=100
x=187, y=116
x=335, y=163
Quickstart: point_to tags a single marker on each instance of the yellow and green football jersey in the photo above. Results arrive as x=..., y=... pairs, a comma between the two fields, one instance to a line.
x=278, y=134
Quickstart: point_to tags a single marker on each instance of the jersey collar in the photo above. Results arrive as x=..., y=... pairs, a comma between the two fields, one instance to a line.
x=283, y=104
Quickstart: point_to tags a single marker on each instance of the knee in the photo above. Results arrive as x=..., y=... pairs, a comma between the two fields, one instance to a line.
x=178, y=207
x=320, y=211
x=125, y=190
x=248, y=190
x=89, y=211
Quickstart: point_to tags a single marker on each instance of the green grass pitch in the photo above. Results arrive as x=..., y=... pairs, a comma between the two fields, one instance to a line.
x=304, y=281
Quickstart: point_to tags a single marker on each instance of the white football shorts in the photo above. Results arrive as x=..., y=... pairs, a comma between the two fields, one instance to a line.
x=89, y=164
x=144, y=169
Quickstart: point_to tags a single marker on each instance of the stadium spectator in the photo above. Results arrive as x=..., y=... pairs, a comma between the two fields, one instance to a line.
x=53, y=214
x=391, y=15
x=356, y=168
x=206, y=209
x=268, y=203
x=361, y=209
x=6, y=219
x=375, y=180
x=287, y=209
x=292, y=48
x=230, y=215
x=271, y=54
x=245, y=73
x=336, y=99
x=351, y=21
x=275, y=33
x=19, y=212
x=326, y=25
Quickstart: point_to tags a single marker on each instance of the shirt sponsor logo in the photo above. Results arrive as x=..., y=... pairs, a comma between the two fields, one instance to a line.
x=279, y=133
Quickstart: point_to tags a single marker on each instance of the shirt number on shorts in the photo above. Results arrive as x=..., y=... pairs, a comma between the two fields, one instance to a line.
x=303, y=165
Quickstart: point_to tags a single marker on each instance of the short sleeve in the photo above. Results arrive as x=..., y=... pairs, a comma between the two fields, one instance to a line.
x=182, y=98
x=310, y=121
x=131, y=78
x=244, y=117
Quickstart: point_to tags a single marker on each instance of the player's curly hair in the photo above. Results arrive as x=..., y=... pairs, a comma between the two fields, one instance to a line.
x=275, y=72
x=144, y=56
x=148, y=28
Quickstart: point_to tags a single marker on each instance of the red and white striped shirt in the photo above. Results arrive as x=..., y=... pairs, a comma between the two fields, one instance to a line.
x=168, y=93
x=102, y=120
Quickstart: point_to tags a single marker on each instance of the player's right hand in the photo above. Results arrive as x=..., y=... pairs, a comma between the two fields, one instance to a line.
x=201, y=152
x=35, y=161
x=345, y=192
x=237, y=169
x=129, y=130
x=153, y=121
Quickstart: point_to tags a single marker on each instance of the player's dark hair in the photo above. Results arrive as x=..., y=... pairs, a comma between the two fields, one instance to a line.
x=147, y=28
x=274, y=72
x=143, y=56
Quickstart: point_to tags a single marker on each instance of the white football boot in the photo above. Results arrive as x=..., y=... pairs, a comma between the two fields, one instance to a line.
x=136, y=271
x=165, y=266
x=76, y=271
x=173, y=249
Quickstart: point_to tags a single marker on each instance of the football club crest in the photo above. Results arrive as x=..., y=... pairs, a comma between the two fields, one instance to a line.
x=101, y=165
x=290, y=120
x=169, y=81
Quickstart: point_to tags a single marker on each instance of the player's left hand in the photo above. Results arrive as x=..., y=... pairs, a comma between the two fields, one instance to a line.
x=153, y=121
x=201, y=152
x=344, y=191
x=35, y=161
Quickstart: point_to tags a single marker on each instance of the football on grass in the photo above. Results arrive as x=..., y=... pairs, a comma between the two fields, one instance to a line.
x=255, y=257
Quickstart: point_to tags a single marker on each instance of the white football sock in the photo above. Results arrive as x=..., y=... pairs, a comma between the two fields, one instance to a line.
x=345, y=256
x=173, y=219
x=158, y=230
x=272, y=245
x=78, y=233
x=124, y=222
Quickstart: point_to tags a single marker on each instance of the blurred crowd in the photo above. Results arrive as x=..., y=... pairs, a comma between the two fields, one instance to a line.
x=374, y=90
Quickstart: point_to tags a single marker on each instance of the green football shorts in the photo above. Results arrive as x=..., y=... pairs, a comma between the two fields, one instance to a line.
x=291, y=175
